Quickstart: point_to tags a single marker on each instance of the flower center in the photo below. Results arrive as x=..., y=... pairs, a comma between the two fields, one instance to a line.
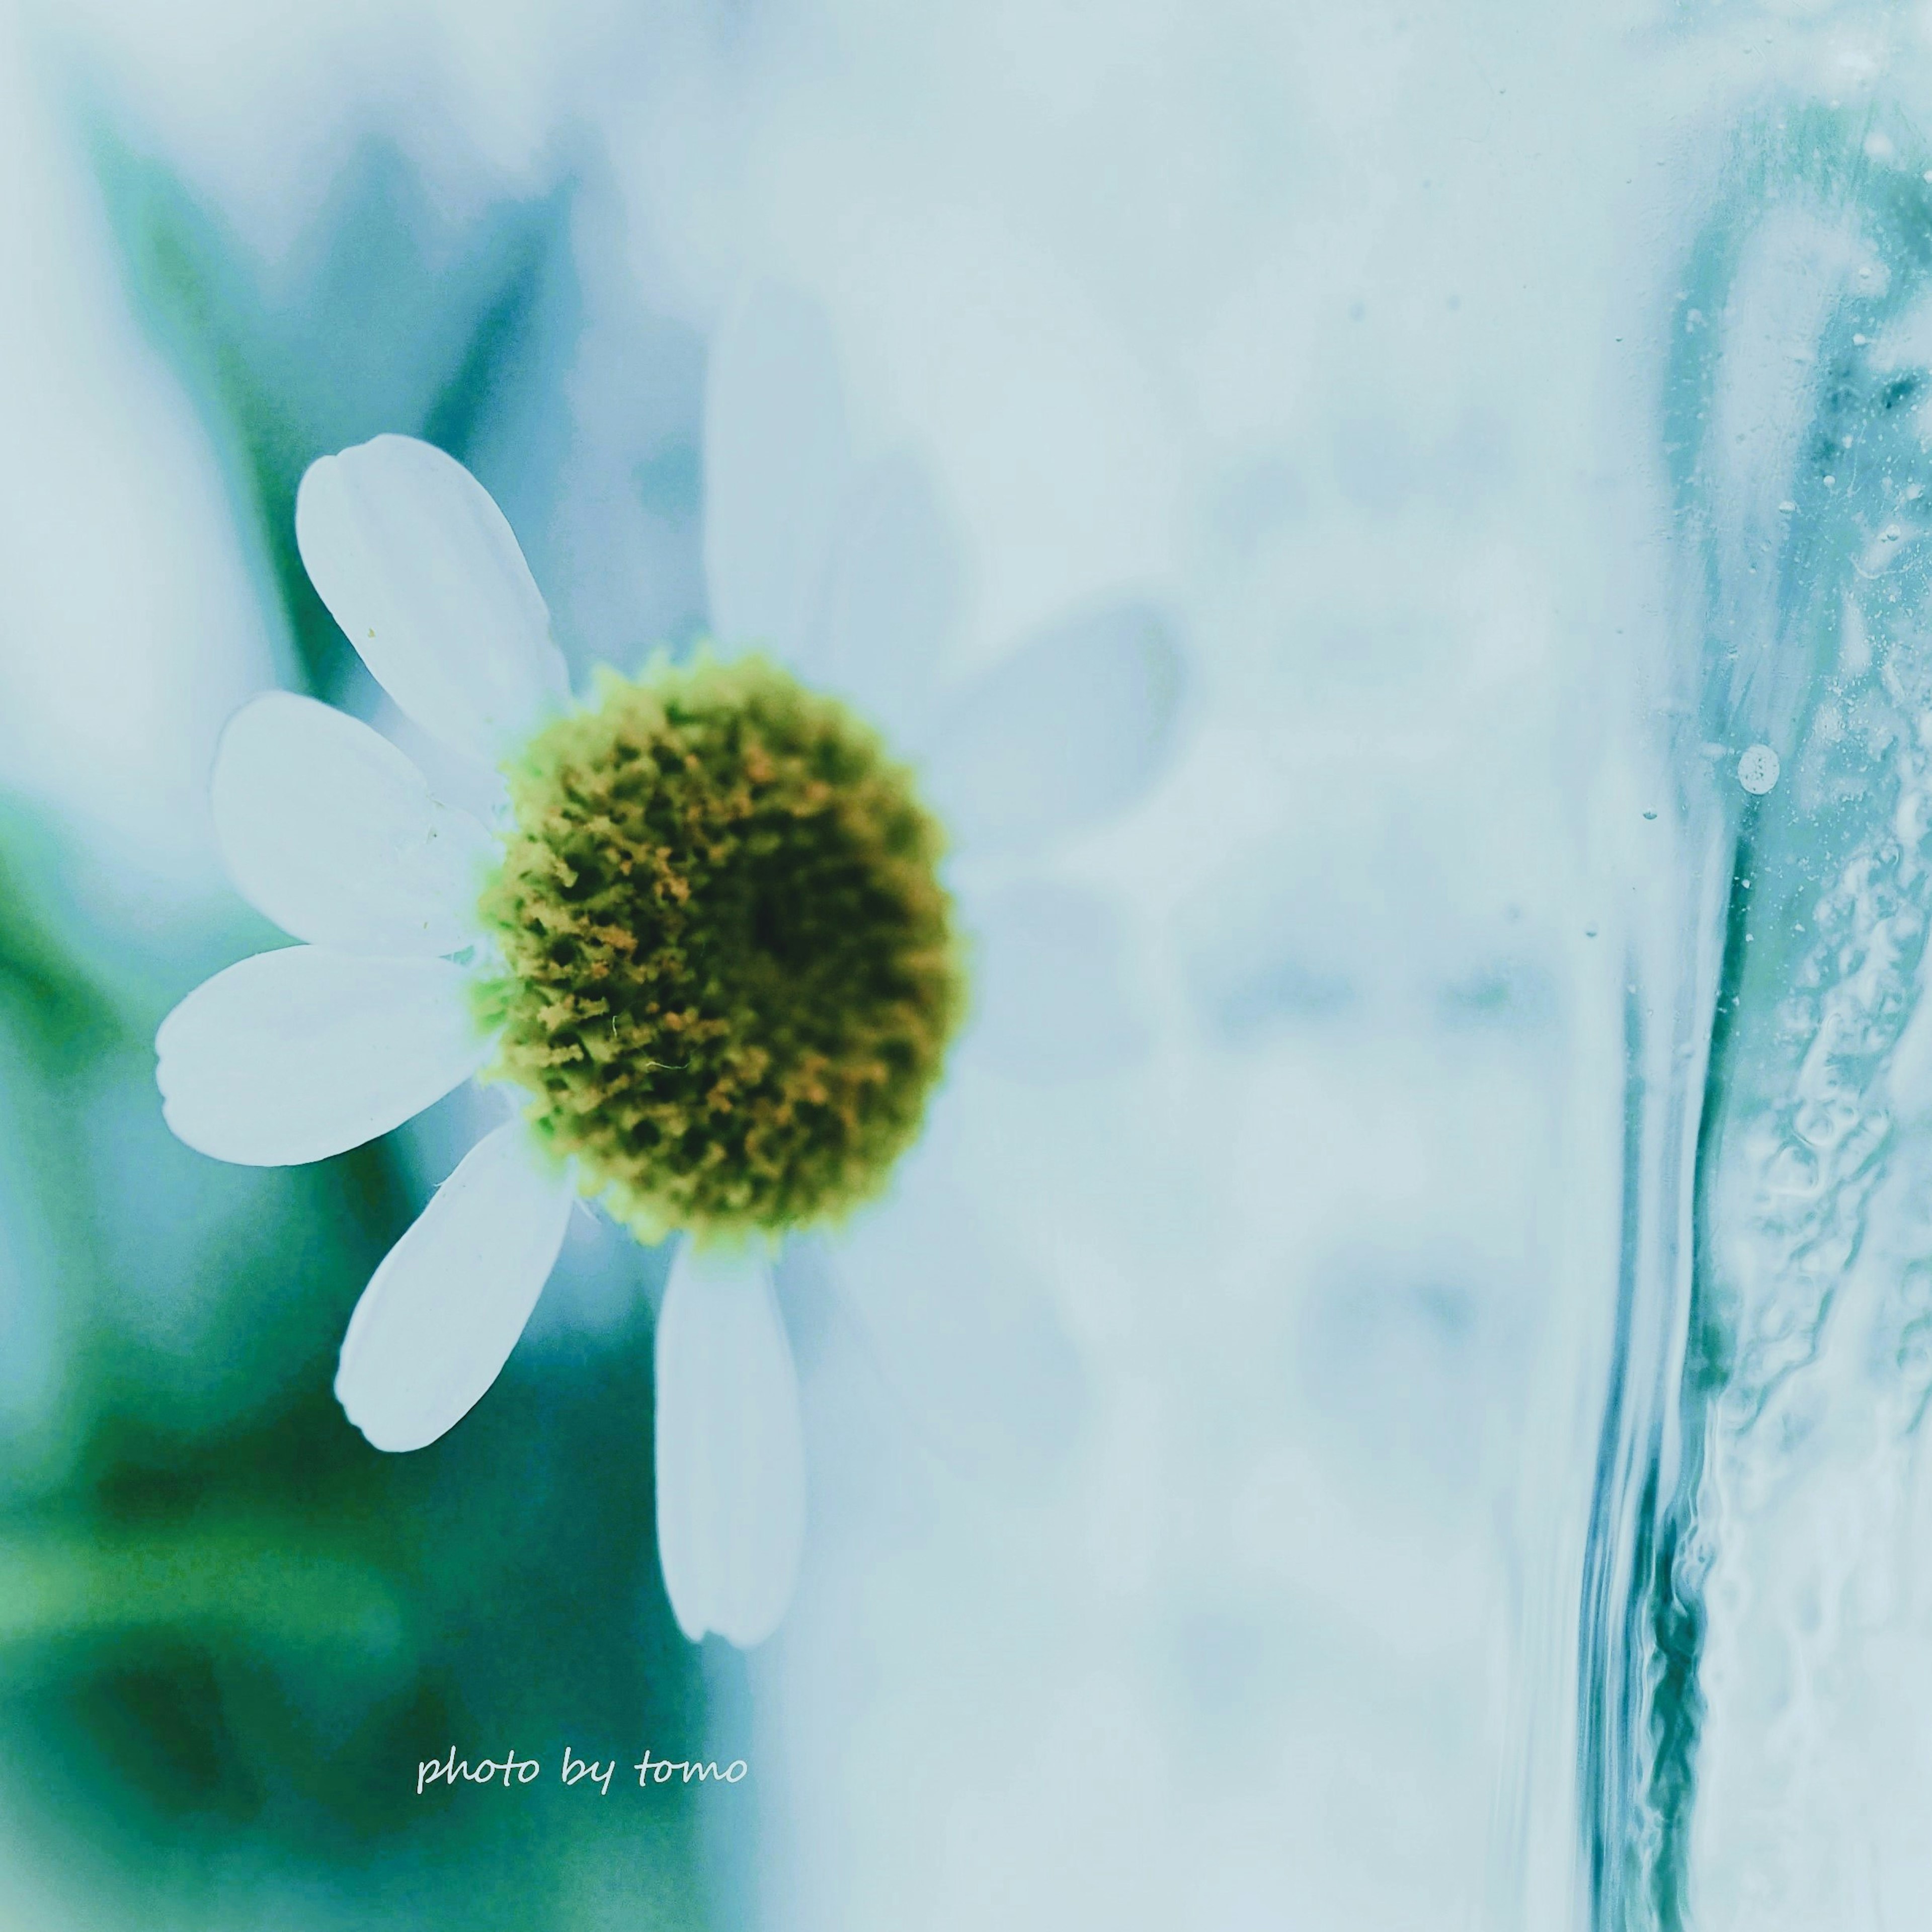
x=730, y=971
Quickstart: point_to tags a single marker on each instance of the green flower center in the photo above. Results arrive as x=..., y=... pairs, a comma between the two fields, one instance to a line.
x=730, y=972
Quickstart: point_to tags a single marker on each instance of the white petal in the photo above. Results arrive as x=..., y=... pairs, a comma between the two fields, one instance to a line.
x=296, y=1055
x=1054, y=995
x=775, y=464
x=418, y=567
x=897, y=592
x=439, y=1317
x=1074, y=726
x=730, y=1458
x=332, y=832
x=962, y=1322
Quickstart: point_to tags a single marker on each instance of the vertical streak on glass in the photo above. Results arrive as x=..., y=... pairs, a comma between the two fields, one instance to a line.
x=1604, y=1727
x=1673, y=1580
x=1750, y=1630
x=1637, y=1636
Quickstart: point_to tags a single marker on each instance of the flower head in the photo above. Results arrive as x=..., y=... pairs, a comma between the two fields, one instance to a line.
x=729, y=972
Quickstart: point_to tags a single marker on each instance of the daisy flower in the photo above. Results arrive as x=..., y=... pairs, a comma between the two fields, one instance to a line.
x=705, y=938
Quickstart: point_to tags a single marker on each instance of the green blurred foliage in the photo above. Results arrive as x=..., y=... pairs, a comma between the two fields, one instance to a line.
x=229, y=1630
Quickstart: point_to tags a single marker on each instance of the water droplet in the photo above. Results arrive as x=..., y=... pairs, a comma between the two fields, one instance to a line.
x=1757, y=769
x=1589, y=932
x=1650, y=815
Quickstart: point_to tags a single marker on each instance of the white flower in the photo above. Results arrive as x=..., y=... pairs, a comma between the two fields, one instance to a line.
x=330, y=830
